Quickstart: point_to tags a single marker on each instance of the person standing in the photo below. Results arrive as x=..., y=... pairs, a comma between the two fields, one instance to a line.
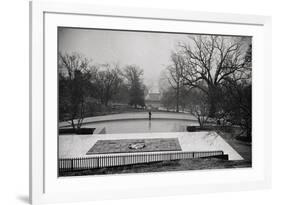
x=149, y=115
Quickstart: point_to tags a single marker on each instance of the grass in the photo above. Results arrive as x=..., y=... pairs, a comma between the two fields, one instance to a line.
x=243, y=148
x=165, y=166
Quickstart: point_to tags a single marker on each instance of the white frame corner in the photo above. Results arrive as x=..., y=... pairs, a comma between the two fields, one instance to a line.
x=37, y=102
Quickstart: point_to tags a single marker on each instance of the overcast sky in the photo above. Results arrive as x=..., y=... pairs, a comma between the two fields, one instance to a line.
x=150, y=51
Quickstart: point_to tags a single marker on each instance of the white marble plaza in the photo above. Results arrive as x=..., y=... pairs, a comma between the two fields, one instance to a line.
x=71, y=146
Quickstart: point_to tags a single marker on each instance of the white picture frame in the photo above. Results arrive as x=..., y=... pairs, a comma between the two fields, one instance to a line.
x=46, y=187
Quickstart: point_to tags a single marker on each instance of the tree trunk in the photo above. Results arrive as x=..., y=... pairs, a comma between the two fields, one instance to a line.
x=177, y=97
x=212, y=110
x=72, y=124
x=105, y=103
x=212, y=101
x=200, y=122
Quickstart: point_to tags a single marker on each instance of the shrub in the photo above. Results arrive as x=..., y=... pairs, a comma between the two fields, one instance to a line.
x=81, y=131
x=191, y=128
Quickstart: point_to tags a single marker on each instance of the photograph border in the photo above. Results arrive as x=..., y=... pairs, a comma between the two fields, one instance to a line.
x=37, y=86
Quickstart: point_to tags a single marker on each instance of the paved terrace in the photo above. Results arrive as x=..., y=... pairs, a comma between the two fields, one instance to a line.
x=135, y=116
x=71, y=146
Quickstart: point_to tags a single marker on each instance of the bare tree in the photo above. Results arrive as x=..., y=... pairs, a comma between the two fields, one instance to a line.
x=236, y=97
x=107, y=81
x=209, y=60
x=168, y=98
x=133, y=74
x=236, y=104
x=74, y=81
x=163, y=82
x=175, y=75
x=198, y=106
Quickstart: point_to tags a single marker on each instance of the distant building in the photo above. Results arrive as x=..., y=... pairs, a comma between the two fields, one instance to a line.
x=152, y=100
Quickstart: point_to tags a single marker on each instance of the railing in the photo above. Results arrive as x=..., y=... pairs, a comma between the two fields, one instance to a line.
x=109, y=160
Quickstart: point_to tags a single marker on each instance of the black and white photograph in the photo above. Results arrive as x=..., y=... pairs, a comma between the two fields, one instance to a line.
x=150, y=101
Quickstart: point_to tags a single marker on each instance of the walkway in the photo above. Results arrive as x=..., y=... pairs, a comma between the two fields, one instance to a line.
x=134, y=116
x=71, y=146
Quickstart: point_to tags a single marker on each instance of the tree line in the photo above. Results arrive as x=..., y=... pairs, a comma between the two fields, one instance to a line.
x=87, y=89
x=210, y=75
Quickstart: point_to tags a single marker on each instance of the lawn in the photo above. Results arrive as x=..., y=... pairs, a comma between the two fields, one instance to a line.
x=177, y=165
x=242, y=147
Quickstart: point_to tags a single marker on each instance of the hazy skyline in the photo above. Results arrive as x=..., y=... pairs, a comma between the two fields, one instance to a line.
x=150, y=51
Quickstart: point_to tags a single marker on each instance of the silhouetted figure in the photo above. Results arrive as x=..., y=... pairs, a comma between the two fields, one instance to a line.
x=149, y=115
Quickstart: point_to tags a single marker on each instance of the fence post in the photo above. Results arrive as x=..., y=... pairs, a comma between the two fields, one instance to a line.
x=118, y=160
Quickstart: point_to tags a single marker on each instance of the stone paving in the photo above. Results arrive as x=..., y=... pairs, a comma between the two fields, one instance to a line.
x=134, y=116
x=71, y=146
x=140, y=126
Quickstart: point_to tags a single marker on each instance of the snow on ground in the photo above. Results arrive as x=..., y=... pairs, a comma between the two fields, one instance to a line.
x=71, y=146
x=134, y=116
